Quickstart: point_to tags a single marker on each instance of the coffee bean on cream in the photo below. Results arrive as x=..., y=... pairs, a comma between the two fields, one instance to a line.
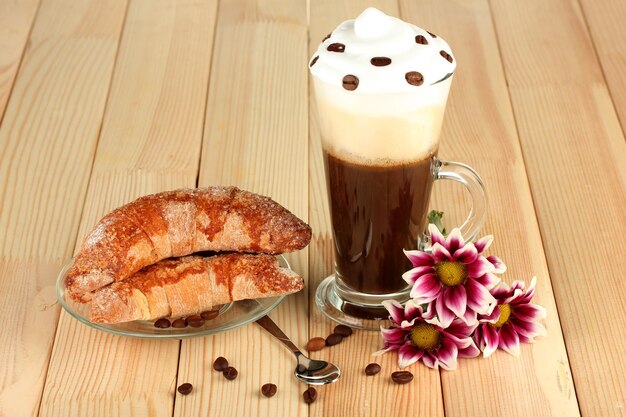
x=392, y=72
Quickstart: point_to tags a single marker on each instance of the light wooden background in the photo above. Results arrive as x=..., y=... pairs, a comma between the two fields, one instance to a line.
x=102, y=101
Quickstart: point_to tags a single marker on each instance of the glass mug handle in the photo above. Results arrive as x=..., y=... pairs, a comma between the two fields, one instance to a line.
x=470, y=179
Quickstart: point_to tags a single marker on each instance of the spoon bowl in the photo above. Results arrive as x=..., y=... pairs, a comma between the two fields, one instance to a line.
x=309, y=371
x=317, y=372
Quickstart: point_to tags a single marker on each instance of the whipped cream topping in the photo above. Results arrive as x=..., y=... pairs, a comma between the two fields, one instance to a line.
x=379, y=53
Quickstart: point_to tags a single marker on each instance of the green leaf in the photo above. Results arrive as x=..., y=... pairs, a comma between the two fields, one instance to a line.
x=435, y=217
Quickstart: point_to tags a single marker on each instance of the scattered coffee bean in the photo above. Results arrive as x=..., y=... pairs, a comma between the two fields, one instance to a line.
x=336, y=47
x=372, y=369
x=231, y=373
x=333, y=339
x=315, y=344
x=380, y=61
x=220, y=364
x=179, y=323
x=314, y=61
x=402, y=377
x=421, y=40
x=446, y=55
x=268, y=390
x=414, y=78
x=210, y=315
x=343, y=330
x=431, y=34
x=195, y=321
x=162, y=324
x=309, y=395
x=350, y=82
x=185, y=389
x=326, y=37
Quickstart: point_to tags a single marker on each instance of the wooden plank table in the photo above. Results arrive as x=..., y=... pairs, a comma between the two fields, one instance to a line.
x=102, y=101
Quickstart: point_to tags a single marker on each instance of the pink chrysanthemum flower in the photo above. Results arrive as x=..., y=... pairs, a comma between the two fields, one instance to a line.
x=455, y=275
x=514, y=320
x=419, y=336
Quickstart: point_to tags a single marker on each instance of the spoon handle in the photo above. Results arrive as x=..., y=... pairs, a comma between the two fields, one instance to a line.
x=269, y=325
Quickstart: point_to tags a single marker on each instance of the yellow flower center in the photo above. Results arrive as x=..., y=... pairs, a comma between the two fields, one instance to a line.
x=505, y=313
x=451, y=273
x=424, y=336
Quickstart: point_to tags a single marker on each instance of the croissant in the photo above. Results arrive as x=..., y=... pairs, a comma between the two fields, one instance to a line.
x=191, y=285
x=179, y=223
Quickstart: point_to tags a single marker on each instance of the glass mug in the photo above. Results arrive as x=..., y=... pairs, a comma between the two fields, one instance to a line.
x=380, y=159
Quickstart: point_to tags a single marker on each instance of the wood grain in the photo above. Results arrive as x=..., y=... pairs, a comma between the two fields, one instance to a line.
x=605, y=22
x=576, y=162
x=480, y=130
x=255, y=138
x=16, y=21
x=151, y=139
x=354, y=394
x=47, y=142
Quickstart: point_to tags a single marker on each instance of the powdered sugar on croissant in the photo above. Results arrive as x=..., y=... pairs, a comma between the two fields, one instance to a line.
x=179, y=223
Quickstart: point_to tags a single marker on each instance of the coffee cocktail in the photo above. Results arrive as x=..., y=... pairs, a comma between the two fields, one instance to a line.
x=381, y=87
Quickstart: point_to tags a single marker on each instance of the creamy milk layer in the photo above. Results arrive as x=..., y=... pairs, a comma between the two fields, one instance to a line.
x=381, y=87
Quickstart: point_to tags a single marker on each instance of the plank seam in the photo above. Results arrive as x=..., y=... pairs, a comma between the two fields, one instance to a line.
x=180, y=348
x=443, y=398
x=599, y=61
x=21, y=62
x=206, y=101
x=308, y=183
x=56, y=327
x=532, y=198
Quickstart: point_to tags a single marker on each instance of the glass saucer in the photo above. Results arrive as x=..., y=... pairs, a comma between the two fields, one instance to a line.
x=231, y=316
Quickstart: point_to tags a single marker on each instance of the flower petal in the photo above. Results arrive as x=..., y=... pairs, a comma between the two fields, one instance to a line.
x=514, y=298
x=426, y=288
x=501, y=291
x=483, y=243
x=454, y=241
x=531, y=288
x=419, y=258
x=412, y=310
x=430, y=360
x=384, y=350
x=460, y=329
x=478, y=298
x=456, y=299
x=529, y=329
x=395, y=309
x=489, y=281
x=447, y=355
x=460, y=343
x=470, y=351
x=490, y=318
x=440, y=253
x=408, y=355
x=470, y=317
x=467, y=254
x=479, y=267
x=497, y=263
x=529, y=312
x=393, y=336
x=407, y=325
x=412, y=275
x=429, y=312
x=526, y=295
x=489, y=340
x=435, y=235
x=509, y=340
x=444, y=314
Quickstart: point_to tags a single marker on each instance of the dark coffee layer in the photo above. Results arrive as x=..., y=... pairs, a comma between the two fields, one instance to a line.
x=376, y=212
